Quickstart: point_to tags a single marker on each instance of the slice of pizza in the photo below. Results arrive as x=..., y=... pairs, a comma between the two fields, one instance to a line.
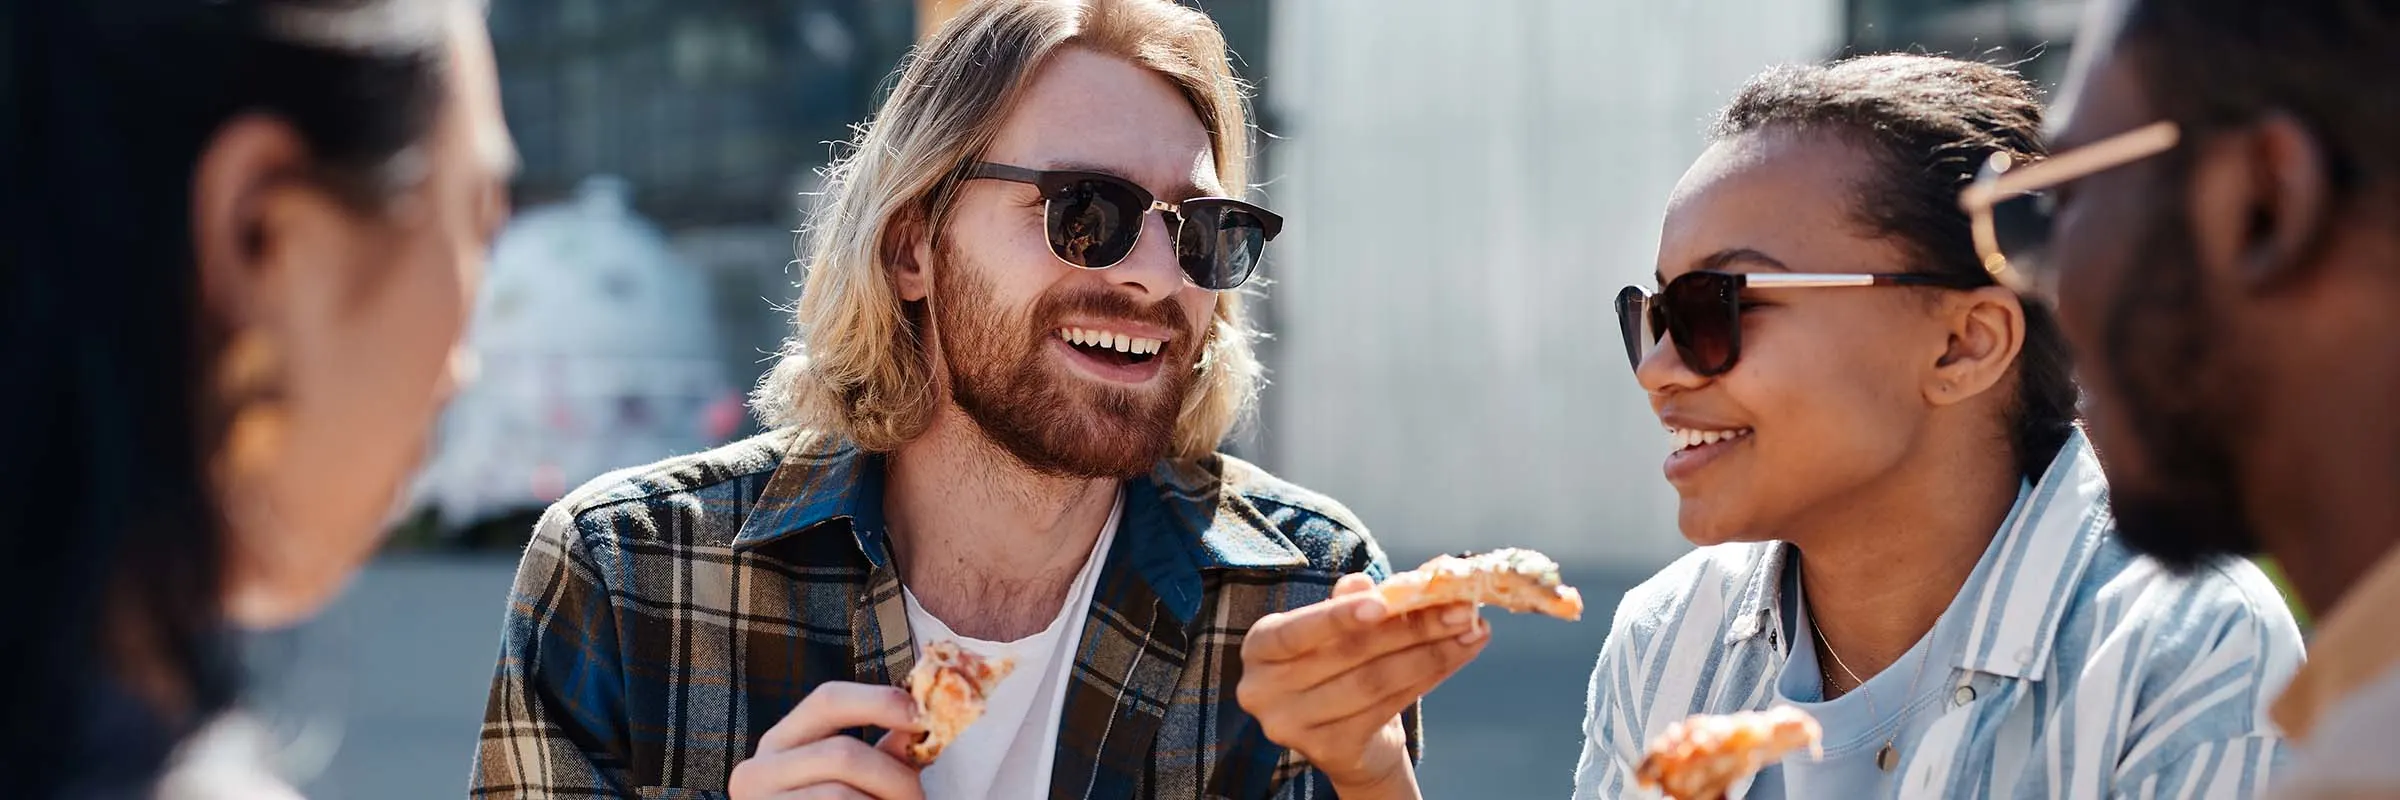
x=1702, y=757
x=950, y=684
x=1512, y=578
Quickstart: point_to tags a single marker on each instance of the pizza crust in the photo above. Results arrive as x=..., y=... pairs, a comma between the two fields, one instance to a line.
x=950, y=684
x=1516, y=579
x=1702, y=757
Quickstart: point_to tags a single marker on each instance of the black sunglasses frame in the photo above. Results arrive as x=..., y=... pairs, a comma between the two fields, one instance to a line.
x=1643, y=317
x=1200, y=259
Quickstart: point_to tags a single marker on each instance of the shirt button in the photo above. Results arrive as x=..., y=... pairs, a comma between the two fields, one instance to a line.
x=1964, y=695
x=2025, y=655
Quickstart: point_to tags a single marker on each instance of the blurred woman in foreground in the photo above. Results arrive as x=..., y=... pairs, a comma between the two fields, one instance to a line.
x=1903, y=532
x=242, y=239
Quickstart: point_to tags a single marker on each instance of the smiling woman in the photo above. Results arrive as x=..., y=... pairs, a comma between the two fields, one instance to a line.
x=1904, y=533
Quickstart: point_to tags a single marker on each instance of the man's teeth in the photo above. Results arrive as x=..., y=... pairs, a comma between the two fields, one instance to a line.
x=1112, y=341
x=1687, y=438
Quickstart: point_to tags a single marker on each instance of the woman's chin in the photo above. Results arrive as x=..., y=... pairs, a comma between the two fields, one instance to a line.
x=271, y=608
x=295, y=585
x=1707, y=527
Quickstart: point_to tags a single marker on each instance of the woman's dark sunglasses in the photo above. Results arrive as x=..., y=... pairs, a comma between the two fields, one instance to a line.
x=1702, y=311
x=1094, y=220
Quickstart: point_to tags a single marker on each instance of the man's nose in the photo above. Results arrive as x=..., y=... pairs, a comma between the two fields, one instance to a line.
x=1152, y=269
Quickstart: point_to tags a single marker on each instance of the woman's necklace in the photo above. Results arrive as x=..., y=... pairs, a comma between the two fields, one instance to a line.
x=1888, y=758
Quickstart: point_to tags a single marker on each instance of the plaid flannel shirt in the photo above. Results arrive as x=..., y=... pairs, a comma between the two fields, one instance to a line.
x=666, y=616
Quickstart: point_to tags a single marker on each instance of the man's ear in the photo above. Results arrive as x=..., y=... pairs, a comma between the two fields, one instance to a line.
x=1986, y=329
x=908, y=253
x=2260, y=201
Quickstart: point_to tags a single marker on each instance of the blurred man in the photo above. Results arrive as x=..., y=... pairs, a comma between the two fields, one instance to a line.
x=1018, y=349
x=2226, y=251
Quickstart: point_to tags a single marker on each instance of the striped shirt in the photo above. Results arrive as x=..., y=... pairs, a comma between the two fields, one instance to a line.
x=666, y=616
x=2087, y=671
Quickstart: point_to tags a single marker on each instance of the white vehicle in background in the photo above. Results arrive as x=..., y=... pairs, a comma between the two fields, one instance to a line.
x=595, y=350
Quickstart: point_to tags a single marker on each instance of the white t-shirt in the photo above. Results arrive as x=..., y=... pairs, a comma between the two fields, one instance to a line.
x=1008, y=752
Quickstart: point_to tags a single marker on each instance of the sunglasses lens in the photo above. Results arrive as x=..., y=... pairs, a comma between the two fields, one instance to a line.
x=1094, y=223
x=1633, y=323
x=1219, y=244
x=2021, y=227
x=1701, y=311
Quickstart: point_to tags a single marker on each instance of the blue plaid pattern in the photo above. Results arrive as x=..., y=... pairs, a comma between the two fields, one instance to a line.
x=666, y=616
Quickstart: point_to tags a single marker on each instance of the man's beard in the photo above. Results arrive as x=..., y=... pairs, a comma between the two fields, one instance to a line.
x=2180, y=404
x=1055, y=423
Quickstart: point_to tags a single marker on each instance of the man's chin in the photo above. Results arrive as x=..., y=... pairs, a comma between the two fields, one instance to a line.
x=1082, y=432
x=1089, y=457
x=2183, y=536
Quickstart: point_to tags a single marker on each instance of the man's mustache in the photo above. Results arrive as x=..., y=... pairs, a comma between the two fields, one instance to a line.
x=1168, y=313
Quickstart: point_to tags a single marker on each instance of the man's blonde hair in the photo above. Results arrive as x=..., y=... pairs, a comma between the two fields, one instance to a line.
x=856, y=365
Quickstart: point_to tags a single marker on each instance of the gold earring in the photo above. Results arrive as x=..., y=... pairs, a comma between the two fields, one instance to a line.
x=254, y=432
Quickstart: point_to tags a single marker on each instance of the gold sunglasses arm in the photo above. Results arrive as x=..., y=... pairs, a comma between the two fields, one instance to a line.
x=2001, y=181
x=2123, y=148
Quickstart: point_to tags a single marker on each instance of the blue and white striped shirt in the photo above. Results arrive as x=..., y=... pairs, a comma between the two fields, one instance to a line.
x=2087, y=671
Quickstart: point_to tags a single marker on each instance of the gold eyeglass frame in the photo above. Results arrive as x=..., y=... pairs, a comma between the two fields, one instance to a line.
x=2002, y=178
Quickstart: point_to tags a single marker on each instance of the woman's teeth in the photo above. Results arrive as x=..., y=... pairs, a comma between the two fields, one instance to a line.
x=1688, y=438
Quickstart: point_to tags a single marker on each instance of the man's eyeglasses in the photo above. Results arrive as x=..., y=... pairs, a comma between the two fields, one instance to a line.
x=2011, y=208
x=1094, y=220
x=1702, y=310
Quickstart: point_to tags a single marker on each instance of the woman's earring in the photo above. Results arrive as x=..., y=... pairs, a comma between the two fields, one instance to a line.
x=254, y=432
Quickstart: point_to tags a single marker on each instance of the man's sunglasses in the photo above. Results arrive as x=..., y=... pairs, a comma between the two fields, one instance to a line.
x=2011, y=206
x=1094, y=220
x=1702, y=311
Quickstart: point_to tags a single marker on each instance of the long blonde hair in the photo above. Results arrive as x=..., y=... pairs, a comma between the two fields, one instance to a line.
x=856, y=366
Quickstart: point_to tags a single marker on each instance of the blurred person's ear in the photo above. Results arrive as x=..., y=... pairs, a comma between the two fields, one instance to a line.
x=1986, y=329
x=265, y=230
x=2260, y=202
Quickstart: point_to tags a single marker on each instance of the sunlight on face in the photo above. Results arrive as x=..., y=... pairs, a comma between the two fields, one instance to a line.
x=1826, y=388
x=1000, y=299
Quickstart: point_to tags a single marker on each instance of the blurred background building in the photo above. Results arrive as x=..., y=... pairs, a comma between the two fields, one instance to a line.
x=1468, y=184
x=2036, y=34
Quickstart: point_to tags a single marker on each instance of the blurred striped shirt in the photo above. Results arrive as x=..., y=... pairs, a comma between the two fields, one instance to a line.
x=2087, y=671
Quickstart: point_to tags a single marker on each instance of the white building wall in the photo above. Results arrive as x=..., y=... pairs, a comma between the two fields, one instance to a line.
x=1468, y=185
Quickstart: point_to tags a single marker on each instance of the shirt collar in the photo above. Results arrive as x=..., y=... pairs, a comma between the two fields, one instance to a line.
x=1178, y=521
x=2351, y=648
x=2018, y=592
x=819, y=481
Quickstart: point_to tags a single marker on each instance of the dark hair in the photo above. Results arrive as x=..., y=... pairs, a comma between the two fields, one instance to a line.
x=2335, y=64
x=113, y=542
x=1929, y=123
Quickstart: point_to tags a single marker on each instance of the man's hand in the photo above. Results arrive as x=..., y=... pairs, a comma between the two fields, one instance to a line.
x=806, y=757
x=1330, y=681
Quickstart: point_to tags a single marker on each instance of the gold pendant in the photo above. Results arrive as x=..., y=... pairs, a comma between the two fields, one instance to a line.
x=1888, y=758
